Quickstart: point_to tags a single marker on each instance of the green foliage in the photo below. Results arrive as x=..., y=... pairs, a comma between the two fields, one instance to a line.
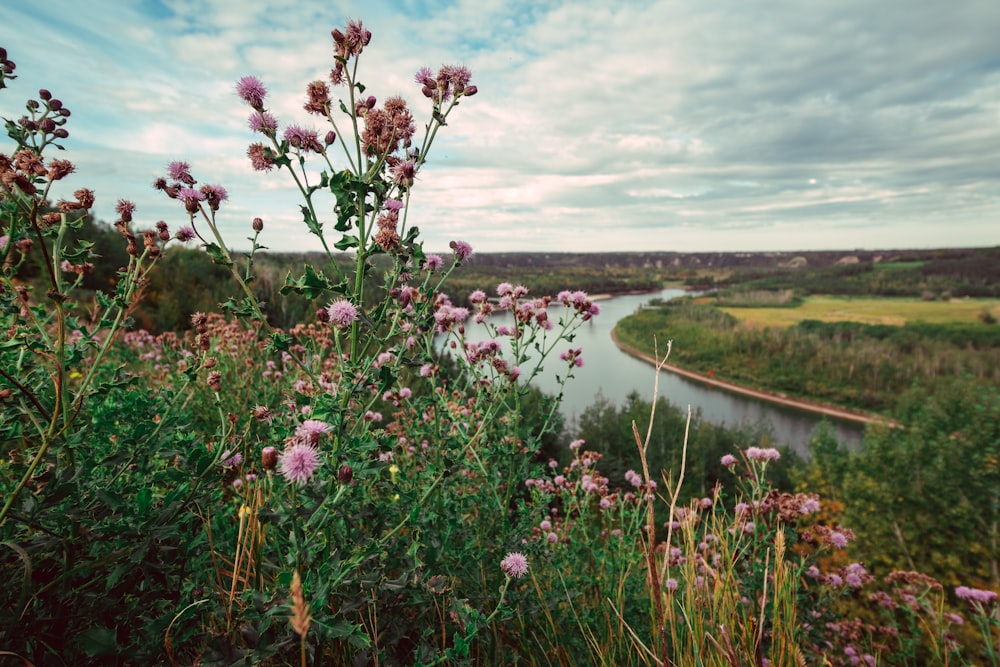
x=855, y=365
x=943, y=519
x=278, y=485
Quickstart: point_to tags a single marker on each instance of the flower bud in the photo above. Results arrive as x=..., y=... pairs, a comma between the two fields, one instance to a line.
x=269, y=458
x=60, y=133
x=345, y=474
x=32, y=104
x=215, y=380
x=258, y=224
x=331, y=136
x=55, y=105
x=470, y=91
x=44, y=94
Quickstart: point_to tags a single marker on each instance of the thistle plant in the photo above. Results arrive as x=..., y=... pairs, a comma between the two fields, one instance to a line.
x=52, y=359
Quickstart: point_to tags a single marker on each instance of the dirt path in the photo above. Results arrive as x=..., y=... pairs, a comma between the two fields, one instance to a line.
x=781, y=399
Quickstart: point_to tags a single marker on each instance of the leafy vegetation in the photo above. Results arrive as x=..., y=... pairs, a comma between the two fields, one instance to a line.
x=334, y=491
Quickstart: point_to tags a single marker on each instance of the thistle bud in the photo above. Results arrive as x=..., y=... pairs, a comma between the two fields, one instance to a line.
x=331, y=136
x=45, y=95
x=345, y=474
x=269, y=458
x=258, y=224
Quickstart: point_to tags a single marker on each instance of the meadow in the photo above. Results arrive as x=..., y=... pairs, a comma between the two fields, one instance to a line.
x=873, y=310
x=332, y=491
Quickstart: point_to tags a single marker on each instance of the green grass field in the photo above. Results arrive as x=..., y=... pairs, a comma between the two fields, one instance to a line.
x=869, y=310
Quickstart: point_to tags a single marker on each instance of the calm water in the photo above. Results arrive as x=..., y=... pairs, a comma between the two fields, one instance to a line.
x=609, y=372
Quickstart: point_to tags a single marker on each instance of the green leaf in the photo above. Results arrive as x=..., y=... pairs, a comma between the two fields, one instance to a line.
x=311, y=284
x=218, y=255
x=98, y=642
x=315, y=227
x=346, y=242
x=143, y=500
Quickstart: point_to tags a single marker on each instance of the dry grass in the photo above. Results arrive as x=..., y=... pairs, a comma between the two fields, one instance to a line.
x=869, y=311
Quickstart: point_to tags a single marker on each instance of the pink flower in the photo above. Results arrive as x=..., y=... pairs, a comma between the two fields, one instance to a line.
x=514, y=565
x=263, y=122
x=975, y=594
x=433, y=262
x=342, y=313
x=311, y=430
x=180, y=172
x=252, y=90
x=462, y=250
x=728, y=460
x=184, y=234
x=298, y=463
x=762, y=454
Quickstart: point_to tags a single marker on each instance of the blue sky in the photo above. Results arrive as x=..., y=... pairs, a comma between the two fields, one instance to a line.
x=677, y=125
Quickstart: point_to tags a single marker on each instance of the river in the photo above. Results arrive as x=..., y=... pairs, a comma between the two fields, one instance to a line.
x=613, y=374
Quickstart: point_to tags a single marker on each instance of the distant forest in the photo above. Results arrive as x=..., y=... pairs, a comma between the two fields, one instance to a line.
x=186, y=281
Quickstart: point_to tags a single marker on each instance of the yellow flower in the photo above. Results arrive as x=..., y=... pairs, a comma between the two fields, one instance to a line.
x=393, y=471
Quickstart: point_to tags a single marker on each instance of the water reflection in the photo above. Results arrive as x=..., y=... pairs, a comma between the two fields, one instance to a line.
x=613, y=374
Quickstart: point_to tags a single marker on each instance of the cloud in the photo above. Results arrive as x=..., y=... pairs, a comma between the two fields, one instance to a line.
x=669, y=124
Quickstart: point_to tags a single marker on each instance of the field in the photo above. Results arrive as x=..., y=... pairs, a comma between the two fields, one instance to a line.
x=869, y=310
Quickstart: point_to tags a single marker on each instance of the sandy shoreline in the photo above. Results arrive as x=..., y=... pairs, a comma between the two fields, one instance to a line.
x=781, y=399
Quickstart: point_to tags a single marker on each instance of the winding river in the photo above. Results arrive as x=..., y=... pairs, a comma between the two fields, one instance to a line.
x=609, y=372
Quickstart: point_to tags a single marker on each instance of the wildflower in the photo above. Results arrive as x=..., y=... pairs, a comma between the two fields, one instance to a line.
x=252, y=91
x=214, y=195
x=975, y=594
x=728, y=460
x=184, y=234
x=269, y=458
x=263, y=122
x=230, y=460
x=462, y=250
x=180, y=172
x=342, y=313
x=303, y=138
x=298, y=463
x=670, y=584
x=433, y=262
x=311, y=430
x=837, y=539
x=319, y=98
x=259, y=159
x=514, y=565
x=762, y=454
x=404, y=173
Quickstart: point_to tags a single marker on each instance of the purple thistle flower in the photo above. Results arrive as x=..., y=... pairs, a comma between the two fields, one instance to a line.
x=180, y=172
x=462, y=250
x=298, y=463
x=837, y=539
x=670, y=584
x=762, y=454
x=425, y=77
x=728, y=460
x=252, y=90
x=514, y=565
x=263, y=122
x=342, y=313
x=303, y=138
x=230, y=460
x=975, y=594
x=312, y=429
x=190, y=195
x=185, y=234
x=393, y=205
x=433, y=262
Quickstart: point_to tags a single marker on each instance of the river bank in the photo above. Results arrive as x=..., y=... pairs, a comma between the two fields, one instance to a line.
x=771, y=397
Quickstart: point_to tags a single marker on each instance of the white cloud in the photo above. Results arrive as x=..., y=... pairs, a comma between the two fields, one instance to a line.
x=670, y=124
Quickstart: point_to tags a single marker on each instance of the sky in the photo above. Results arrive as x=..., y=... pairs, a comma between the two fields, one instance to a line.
x=652, y=125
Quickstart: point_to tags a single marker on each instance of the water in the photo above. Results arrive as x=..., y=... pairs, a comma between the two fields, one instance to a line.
x=613, y=374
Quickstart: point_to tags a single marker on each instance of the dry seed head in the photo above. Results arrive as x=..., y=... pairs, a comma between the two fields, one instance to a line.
x=300, y=610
